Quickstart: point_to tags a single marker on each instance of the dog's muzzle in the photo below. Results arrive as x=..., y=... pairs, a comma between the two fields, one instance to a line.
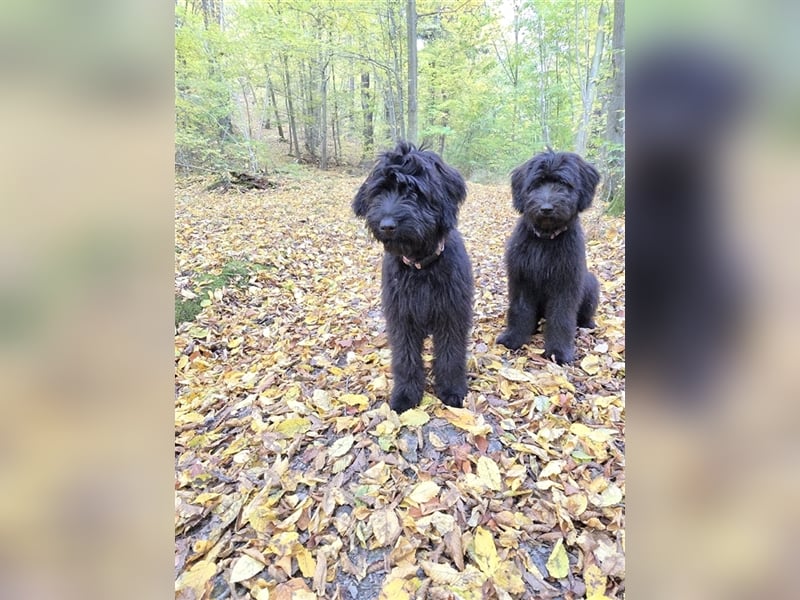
x=387, y=227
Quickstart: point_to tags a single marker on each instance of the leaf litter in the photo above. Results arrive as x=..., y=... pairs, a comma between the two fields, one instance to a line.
x=293, y=478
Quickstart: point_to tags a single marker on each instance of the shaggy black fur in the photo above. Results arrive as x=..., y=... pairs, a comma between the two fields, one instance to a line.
x=546, y=254
x=410, y=202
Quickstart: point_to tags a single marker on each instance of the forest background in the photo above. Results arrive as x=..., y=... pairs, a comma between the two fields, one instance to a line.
x=262, y=86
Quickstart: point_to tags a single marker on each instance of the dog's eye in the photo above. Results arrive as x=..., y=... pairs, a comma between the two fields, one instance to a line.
x=562, y=181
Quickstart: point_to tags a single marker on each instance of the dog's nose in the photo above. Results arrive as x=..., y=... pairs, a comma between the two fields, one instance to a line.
x=546, y=209
x=388, y=225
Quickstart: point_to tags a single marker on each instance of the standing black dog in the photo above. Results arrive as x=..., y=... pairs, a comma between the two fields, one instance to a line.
x=410, y=202
x=546, y=254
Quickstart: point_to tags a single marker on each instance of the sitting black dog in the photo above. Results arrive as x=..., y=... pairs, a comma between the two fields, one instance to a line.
x=546, y=254
x=410, y=201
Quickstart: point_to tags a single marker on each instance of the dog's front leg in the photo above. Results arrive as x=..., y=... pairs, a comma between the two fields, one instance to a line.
x=407, y=368
x=560, y=329
x=450, y=365
x=522, y=317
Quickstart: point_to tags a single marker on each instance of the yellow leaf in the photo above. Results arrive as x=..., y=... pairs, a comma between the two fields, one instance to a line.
x=554, y=467
x=414, y=418
x=423, y=491
x=466, y=420
x=234, y=342
x=206, y=497
x=579, y=429
x=385, y=428
x=514, y=374
x=341, y=446
x=261, y=594
x=385, y=526
x=439, y=573
x=576, y=504
x=590, y=364
x=359, y=400
x=244, y=568
x=379, y=473
x=595, y=581
x=489, y=473
x=197, y=577
x=293, y=426
x=306, y=563
x=283, y=543
x=558, y=563
x=379, y=384
x=608, y=497
x=394, y=591
x=485, y=552
x=509, y=578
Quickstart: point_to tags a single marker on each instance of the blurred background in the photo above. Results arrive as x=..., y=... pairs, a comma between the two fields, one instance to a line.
x=711, y=285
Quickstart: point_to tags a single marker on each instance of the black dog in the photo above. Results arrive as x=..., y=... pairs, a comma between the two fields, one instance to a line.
x=546, y=254
x=410, y=201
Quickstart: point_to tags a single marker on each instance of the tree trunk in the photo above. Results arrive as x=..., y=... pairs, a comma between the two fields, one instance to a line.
x=366, y=107
x=389, y=112
x=249, y=130
x=543, y=77
x=398, y=129
x=275, y=107
x=323, y=117
x=293, y=143
x=589, y=88
x=411, y=16
x=337, y=140
x=615, y=124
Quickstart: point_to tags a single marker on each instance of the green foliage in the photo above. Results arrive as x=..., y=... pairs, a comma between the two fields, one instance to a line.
x=497, y=81
x=234, y=273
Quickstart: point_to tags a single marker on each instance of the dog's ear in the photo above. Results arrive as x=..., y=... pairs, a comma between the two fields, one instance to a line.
x=518, y=177
x=451, y=191
x=589, y=180
x=361, y=200
x=453, y=182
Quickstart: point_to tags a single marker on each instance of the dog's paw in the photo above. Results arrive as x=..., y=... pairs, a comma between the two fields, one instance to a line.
x=560, y=356
x=454, y=400
x=401, y=402
x=510, y=341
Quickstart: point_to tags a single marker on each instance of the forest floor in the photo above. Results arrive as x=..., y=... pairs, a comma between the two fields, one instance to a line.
x=294, y=479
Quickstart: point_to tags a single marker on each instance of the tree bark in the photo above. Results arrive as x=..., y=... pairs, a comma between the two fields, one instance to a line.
x=615, y=123
x=411, y=16
x=589, y=88
x=293, y=143
x=275, y=107
x=366, y=107
x=323, y=117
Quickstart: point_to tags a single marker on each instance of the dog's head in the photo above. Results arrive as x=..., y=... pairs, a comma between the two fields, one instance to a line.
x=410, y=200
x=552, y=188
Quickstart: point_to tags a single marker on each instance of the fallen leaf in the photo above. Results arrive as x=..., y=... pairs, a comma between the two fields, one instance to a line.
x=197, y=577
x=489, y=473
x=558, y=562
x=423, y=491
x=341, y=446
x=244, y=568
x=385, y=526
x=595, y=581
x=414, y=418
x=485, y=552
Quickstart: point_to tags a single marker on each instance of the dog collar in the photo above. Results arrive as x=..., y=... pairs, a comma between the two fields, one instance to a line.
x=552, y=235
x=427, y=260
